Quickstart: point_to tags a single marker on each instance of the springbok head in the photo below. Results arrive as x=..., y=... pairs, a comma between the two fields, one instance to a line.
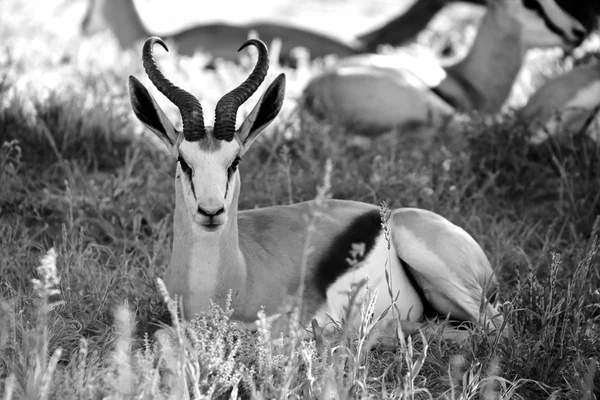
x=207, y=179
x=545, y=23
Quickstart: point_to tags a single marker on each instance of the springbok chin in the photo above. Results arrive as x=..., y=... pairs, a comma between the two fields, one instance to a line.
x=218, y=39
x=259, y=255
x=373, y=94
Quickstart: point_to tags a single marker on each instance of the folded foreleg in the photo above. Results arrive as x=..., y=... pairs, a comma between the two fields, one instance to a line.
x=450, y=268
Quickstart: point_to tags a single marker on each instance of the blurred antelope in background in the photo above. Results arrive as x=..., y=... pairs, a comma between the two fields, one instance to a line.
x=221, y=40
x=372, y=94
x=260, y=256
x=569, y=103
x=407, y=25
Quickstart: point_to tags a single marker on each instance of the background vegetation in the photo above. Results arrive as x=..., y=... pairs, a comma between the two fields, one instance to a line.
x=78, y=174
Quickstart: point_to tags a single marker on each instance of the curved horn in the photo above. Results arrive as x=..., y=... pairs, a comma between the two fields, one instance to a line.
x=227, y=107
x=188, y=105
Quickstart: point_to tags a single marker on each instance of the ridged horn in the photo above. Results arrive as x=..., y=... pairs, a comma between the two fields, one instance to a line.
x=188, y=105
x=227, y=107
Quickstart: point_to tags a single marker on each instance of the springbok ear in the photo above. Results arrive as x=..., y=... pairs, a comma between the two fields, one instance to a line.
x=264, y=111
x=150, y=114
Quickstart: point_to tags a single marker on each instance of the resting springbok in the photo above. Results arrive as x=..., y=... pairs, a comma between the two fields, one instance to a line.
x=407, y=25
x=259, y=255
x=219, y=39
x=569, y=103
x=372, y=94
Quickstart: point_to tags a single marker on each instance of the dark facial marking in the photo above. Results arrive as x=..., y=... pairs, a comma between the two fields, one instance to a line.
x=364, y=229
x=230, y=171
x=233, y=167
x=188, y=171
x=210, y=144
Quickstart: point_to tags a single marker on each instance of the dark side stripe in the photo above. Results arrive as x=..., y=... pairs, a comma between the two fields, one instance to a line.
x=364, y=229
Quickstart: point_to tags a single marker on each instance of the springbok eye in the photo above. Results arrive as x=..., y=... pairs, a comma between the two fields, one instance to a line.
x=233, y=167
x=185, y=167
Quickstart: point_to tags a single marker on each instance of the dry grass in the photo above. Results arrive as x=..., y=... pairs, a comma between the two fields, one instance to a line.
x=85, y=229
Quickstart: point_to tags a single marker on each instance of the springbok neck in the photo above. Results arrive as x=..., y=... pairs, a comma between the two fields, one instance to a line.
x=495, y=46
x=124, y=20
x=483, y=79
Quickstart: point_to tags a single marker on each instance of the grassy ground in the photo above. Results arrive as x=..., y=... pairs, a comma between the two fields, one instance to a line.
x=79, y=175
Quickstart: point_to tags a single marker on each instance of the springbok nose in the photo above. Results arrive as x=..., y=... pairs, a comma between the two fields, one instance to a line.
x=211, y=212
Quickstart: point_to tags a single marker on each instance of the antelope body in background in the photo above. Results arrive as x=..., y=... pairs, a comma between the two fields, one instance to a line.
x=407, y=25
x=569, y=103
x=221, y=39
x=373, y=94
x=259, y=255
x=218, y=39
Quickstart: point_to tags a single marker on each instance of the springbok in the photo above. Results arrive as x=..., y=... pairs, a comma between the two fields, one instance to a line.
x=218, y=39
x=372, y=94
x=260, y=256
x=408, y=25
x=569, y=103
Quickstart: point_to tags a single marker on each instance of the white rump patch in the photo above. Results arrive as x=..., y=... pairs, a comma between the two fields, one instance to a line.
x=373, y=269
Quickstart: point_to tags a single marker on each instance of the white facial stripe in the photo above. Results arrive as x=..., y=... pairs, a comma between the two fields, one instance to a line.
x=562, y=20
